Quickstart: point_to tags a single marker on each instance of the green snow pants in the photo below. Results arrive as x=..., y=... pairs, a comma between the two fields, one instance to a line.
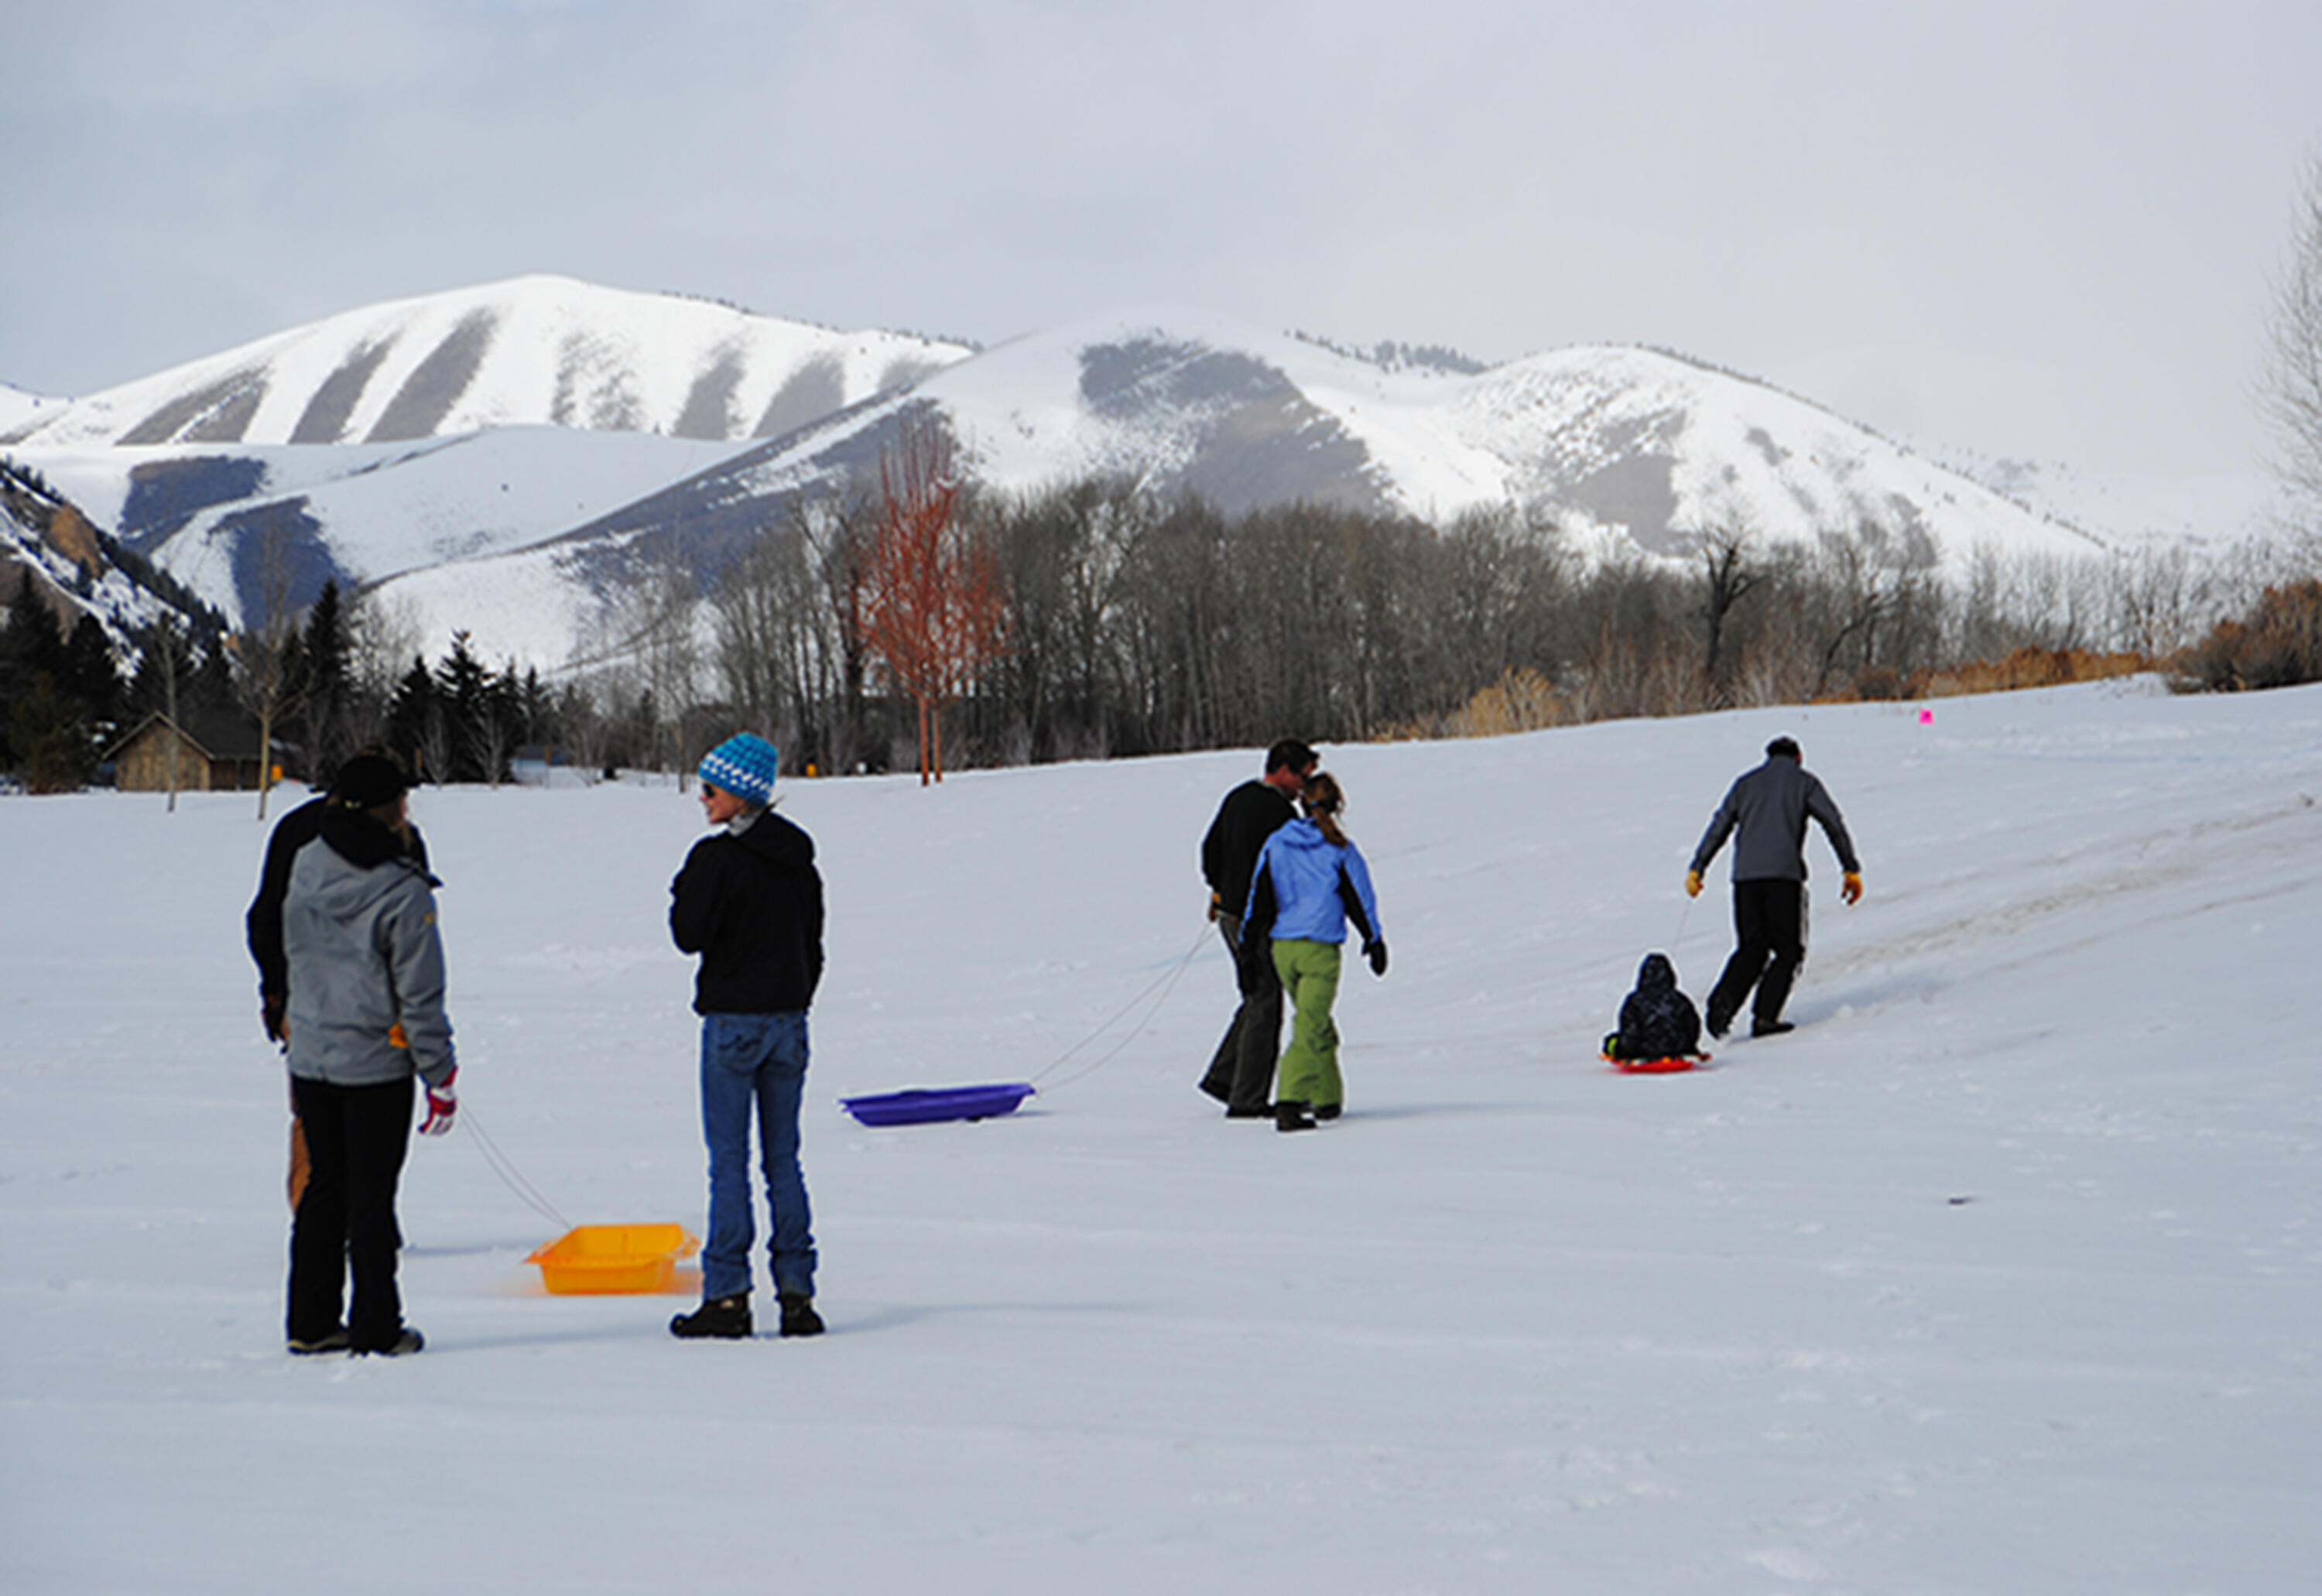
x=1310, y=1065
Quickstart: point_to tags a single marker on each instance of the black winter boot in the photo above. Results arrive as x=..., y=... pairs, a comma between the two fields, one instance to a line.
x=1292, y=1115
x=1771, y=1028
x=406, y=1341
x=798, y=1317
x=724, y=1317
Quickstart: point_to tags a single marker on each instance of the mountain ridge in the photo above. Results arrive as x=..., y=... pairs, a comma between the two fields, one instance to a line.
x=545, y=436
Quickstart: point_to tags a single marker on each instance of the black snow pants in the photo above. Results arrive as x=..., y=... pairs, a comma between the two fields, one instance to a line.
x=1241, y=1072
x=1769, y=931
x=356, y=1138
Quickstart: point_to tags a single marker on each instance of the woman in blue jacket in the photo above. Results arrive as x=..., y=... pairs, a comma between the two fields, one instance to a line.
x=1309, y=882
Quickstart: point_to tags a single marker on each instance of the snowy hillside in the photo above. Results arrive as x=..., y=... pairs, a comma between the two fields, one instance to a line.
x=2216, y=509
x=531, y=352
x=18, y=408
x=1998, y=1276
x=683, y=429
x=364, y=514
x=1650, y=444
x=39, y=533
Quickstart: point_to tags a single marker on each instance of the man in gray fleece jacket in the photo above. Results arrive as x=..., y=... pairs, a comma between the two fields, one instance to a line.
x=1769, y=807
x=366, y=1016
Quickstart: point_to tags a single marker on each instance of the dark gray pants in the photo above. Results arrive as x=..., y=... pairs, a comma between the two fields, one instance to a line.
x=1241, y=1072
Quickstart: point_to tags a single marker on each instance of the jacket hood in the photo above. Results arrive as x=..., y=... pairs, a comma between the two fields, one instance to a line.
x=364, y=861
x=1300, y=833
x=1656, y=974
x=777, y=842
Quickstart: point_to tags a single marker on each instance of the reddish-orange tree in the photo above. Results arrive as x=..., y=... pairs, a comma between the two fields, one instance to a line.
x=935, y=609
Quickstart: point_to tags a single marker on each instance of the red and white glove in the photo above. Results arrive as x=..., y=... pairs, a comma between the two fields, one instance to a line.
x=443, y=1104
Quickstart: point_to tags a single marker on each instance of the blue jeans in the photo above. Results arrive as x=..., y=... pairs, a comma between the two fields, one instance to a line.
x=759, y=1058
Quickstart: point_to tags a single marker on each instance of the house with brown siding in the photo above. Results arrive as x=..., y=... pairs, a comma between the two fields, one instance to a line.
x=216, y=750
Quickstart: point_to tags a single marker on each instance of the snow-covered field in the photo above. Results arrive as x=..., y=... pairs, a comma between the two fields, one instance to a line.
x=2003, y=1275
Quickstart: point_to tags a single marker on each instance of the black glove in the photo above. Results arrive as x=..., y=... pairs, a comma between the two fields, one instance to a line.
x=1374, y=950
x=271, y=1006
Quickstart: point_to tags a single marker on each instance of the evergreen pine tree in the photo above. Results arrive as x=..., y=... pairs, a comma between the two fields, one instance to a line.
x=415, y=723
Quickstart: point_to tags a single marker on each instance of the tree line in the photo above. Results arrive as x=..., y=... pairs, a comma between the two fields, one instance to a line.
x=1129, y=624
x=1118, y=623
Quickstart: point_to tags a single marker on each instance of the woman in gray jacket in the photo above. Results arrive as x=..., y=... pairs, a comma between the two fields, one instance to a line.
x=366, y=1016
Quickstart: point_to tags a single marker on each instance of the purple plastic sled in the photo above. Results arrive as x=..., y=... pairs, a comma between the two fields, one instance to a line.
x=927, y=1106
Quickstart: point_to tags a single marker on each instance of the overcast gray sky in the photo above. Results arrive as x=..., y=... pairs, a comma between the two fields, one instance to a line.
x=2027, y=228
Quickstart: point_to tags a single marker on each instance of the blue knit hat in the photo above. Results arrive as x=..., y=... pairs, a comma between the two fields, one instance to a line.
x=745, y=766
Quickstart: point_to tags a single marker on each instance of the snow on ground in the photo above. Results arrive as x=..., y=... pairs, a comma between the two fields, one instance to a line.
x=2000, y=1275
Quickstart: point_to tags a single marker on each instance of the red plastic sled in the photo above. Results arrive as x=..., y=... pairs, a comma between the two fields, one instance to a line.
x=1668, y=1066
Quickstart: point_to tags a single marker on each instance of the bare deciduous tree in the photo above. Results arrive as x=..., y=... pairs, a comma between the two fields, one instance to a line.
x=264, y=654
x=2292, y=392
x=934, y=611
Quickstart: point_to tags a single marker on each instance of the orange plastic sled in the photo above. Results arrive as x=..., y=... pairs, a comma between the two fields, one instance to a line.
x=595, y=1260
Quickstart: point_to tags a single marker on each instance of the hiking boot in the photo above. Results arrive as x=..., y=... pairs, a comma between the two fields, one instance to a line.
x=1719, y=1024
x=1771, y=1028
x=407, y=1340
x=329, y=1341
x=1328, y=1111
x=1292, y=1115
x=1261, y=1112
x=798, y=1317
x=724, y=1317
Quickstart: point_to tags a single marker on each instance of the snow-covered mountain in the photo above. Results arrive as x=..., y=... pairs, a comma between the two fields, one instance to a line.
x=45, y=538
x=2211, y=508
x=18, y=408
x=502, y=456
x=531, y=352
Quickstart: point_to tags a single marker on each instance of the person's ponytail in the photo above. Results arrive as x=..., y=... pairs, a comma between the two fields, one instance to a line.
x=1323, y=801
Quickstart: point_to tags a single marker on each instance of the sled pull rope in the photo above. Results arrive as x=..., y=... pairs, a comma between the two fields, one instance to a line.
x=1166, y=981
x=510, y=1176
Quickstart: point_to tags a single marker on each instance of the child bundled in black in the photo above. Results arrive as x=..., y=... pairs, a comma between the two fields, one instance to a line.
x=1657, y=1020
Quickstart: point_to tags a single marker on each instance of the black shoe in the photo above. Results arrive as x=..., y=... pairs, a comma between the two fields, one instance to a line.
x=406, y=1341
x=798, y=1317
x=1771, y=1028
x=331, y=1341
x=1260, y=1112
x=725, y=1318
x=1719, y=1024
x=1292, y=1117
x=1329, y=1110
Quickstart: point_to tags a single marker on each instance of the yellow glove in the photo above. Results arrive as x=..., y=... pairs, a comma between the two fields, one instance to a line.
x=1852, y=891
x=1693, y=883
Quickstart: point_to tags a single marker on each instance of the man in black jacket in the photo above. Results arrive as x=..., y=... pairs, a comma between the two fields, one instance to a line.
x=749, y=902
x=1769, y=807
x=1241, y=1072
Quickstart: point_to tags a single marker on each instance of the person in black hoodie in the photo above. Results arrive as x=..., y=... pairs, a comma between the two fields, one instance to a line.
x=749, y=902
x=1657, y=1020
x=1242, y=1072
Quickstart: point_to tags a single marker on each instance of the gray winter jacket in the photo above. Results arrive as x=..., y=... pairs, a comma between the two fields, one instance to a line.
x=1770, y=806
x=364, y=958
